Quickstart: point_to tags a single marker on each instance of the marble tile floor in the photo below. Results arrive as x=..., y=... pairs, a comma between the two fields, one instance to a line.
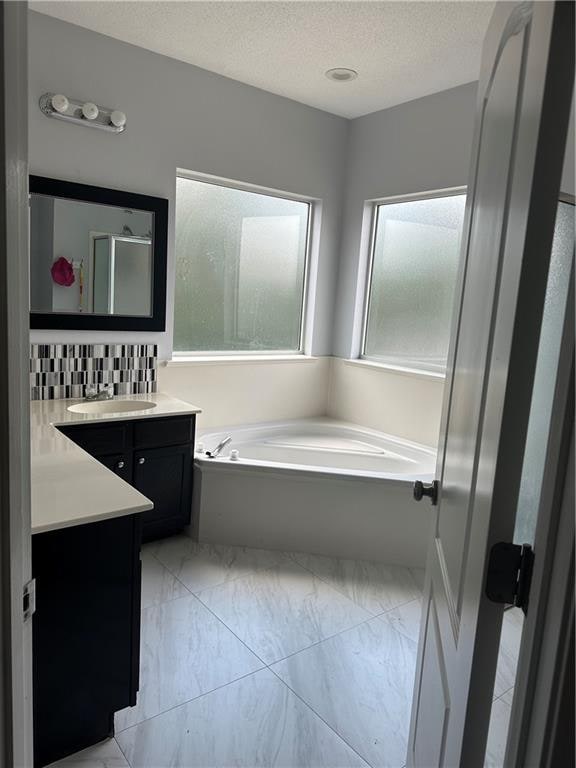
x=512, y=626
x=253, y=659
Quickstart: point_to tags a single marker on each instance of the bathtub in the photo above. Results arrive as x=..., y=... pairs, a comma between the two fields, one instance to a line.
x=314, y=485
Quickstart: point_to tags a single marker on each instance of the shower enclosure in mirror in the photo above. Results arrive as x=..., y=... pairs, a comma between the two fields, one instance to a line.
x=97, y=257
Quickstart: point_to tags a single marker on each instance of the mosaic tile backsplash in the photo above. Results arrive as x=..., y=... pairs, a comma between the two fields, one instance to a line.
x=65, y=370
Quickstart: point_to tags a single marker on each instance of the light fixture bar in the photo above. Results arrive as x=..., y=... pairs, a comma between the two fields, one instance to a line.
x=82, y=113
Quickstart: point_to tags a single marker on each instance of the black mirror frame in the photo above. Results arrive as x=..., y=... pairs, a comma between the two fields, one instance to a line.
x=88, y=322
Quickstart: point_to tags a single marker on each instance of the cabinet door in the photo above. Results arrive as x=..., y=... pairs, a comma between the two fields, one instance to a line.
x=119, y=463
x=164, y=475
x=86, y=632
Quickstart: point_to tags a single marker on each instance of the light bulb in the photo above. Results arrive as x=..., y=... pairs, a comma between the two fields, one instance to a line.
x=118, y=118
x=59, y=103
x=90, y=110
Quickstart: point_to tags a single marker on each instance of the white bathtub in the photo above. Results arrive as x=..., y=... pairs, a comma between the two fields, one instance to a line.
x=318, y=486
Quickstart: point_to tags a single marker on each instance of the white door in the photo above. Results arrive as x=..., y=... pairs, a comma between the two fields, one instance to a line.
x=522, y=116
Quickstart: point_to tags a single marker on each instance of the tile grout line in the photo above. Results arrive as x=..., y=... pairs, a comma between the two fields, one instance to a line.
x=166, y=602
x=169, y=599
x=188, y=701
x=401, y=605
x=316, y=575
x=309, y=706
x=189, y=593
x=121, y=750
x=173, y=576
x=226, y=581
x=186, y=597
x=269, y=666
x=306, y=647
x=312, y=645
x=283, y=658
x=289, y=557
x=232, y=632
x=264, y=664
x=221, y=621
x=322, y=640
x=225, y=685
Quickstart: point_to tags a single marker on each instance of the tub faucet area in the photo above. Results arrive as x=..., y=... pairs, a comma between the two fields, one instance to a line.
x=219, y=448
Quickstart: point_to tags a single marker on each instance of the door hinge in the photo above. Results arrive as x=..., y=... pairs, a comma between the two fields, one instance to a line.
x=509, y=574
x=29, y=599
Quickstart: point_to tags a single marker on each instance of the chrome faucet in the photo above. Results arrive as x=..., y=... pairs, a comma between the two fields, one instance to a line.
x=219, y=448
x=95, y=393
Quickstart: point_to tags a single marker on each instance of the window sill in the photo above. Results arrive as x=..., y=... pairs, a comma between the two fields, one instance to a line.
x=237, y=359
x=396, y=369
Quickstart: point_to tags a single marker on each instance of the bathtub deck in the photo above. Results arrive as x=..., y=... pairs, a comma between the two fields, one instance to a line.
x=260, y=658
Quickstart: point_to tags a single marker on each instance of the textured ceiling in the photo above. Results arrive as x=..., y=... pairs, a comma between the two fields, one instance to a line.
x=401, y=50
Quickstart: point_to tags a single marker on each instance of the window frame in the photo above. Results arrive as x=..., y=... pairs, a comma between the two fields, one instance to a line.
x=312, y=204
x=373, y=213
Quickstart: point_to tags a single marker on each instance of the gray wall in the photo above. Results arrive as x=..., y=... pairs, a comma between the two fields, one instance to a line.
x=415, y=147
x=218, y=126
x=180, y=116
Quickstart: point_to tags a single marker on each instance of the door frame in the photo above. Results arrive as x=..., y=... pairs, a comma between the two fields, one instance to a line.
x=15, y=530
x=537, y=731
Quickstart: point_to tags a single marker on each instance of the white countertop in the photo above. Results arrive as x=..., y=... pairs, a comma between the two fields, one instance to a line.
x=69, y=487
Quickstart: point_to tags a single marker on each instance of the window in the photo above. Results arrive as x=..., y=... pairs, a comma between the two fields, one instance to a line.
x=240, y=270
x=415, y=250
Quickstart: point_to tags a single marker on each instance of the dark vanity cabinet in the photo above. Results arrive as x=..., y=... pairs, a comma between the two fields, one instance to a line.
x=86, y=628
x=155, y=456
x=86, y=633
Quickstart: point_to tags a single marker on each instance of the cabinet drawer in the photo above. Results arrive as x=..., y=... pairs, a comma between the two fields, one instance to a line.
x=155, y=433
x=100, y=439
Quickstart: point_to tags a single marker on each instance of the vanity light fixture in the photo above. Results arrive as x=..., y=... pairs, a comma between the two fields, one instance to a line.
x=82, y=112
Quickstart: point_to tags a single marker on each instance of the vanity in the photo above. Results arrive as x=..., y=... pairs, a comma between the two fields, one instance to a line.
x=93, y=500
x=152, y=454
x=106, y=474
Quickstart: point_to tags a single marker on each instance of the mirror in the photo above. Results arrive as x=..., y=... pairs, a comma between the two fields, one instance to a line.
x=97, y=257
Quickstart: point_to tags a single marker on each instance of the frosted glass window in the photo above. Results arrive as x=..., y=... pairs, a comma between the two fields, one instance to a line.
x=415, y=254
x=549, y=347
x=240, y=269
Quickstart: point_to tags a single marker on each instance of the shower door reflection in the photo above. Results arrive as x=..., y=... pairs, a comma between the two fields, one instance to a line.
x=122, y=275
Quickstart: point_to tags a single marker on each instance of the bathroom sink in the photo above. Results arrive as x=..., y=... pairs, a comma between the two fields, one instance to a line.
x=112, y=406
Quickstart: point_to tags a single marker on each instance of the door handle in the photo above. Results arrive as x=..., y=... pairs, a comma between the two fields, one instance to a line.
x=120, y=465
x=141, y=460
x=427, y=489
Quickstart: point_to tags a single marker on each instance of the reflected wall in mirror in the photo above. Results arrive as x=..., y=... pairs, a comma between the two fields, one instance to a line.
x=103, y=258
x=97, y=257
